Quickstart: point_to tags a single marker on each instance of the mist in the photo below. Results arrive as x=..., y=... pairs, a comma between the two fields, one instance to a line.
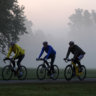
x=81, y=32
x=81, y=29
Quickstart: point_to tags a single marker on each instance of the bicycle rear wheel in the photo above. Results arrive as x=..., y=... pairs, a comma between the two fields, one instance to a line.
x=22, y=73
x=7, y=73
x=55, y=72
x=41, y=72
x=82, y=74
x=68, y=72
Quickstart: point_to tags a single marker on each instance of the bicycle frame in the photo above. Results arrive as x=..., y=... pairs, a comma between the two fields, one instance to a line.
x=76, y=68
x=45, y=62
x=11, y=64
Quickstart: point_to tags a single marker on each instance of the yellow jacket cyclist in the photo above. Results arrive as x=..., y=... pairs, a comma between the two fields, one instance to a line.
x=18, y=51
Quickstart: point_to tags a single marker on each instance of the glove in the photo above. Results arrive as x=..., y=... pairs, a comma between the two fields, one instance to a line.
x=5, y=59
x=65, y=58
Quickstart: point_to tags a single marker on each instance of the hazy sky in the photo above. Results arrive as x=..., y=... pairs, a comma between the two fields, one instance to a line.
x=51, y=16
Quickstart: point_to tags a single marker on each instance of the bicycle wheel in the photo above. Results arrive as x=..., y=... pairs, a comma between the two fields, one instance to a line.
x=41, y=72
x=82, y=75
x=7, y=73
x=55, y=73
x=22, y=73
x=68, y=72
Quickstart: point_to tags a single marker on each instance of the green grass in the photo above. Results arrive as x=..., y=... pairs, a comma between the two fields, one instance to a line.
x=59, y=89
x=91, y=73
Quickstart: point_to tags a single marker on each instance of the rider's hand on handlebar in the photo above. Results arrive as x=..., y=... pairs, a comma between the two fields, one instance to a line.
x=65, y=58
x=5, y=59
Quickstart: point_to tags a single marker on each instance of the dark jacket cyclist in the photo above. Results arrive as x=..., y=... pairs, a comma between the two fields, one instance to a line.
x=76, y=51
x=51, y=53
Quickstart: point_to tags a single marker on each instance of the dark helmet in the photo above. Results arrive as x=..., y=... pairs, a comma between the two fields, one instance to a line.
x=12, y=43
x=45, y=43
x=71, y=43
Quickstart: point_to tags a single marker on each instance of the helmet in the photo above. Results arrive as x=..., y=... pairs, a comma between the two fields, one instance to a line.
x=71, y=43
x=12, y=43
x=45, y=43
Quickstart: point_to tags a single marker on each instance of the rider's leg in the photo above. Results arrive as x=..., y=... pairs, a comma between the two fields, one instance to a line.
x=78, y=60
x=13, y=62
x=52, y=62
x=20, y=58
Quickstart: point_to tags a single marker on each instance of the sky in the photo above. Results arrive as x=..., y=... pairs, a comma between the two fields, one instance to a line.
x=51, y=17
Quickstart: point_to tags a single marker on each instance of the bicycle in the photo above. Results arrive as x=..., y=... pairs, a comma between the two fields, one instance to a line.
x=8, y=71
x=45, y=69
x=72, y=70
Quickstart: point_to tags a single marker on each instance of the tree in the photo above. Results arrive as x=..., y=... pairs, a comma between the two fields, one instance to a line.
x=82, y=24
x=11, y=22
x=28, y=25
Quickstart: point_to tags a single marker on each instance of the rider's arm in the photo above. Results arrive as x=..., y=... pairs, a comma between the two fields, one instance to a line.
x=49, y=52
x=41, y=52
x=9, y=52
x=68, y=53
x=16, y=54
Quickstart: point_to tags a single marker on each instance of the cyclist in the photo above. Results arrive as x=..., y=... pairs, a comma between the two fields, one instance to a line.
x=77, y=52
x=18, y=51
x=51, y=53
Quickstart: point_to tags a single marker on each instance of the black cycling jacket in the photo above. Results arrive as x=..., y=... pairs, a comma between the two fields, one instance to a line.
x=75, y=50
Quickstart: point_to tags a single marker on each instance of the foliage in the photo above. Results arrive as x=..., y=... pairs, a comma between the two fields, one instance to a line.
x=82, y=23
x=11, y=22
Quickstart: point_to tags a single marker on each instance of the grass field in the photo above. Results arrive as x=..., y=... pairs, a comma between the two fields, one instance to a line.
x=56, y=89
x=91, y=73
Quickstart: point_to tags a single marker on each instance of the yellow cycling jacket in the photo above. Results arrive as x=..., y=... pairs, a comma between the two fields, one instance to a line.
x=17, y=50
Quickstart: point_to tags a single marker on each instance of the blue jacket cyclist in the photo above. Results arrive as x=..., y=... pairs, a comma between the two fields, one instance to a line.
x=51, y=53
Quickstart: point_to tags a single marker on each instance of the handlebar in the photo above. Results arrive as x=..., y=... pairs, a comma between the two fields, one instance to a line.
x=41, y=59
x=10, y=59
x=67, y=60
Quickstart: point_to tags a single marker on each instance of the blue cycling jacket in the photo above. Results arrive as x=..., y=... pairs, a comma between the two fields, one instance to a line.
x=49, y=50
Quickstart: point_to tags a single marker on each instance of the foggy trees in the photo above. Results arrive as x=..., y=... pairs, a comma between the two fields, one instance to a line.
x=11, y=22
x=83, y=24
x=28, y=25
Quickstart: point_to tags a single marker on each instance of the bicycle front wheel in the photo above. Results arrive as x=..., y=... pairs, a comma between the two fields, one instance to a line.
x=82, y=74
x=22, y=73
x=55, y=72
x=7, y=73
x=68, y=72
x=41, y=72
